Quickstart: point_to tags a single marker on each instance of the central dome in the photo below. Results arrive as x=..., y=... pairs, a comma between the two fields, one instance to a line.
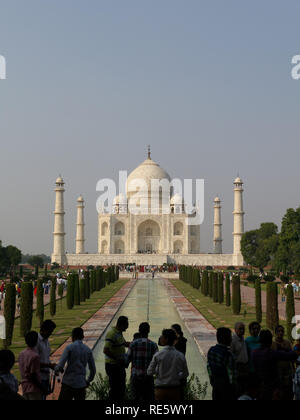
x=147, y=171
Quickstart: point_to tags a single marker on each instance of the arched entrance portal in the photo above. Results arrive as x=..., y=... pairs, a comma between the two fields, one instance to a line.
x=149, y=238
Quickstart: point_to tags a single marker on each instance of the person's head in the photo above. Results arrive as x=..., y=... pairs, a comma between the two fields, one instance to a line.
x=266, y=338
x=240, y=329
x=280, y=332
x=224, y=336
x=254, y=329
x=47, y=328
x=144, y=330
x=31, y=339
x=123, y=324
x=77, y=334
x=168, y=338
x=7, y=361
x=178, y=330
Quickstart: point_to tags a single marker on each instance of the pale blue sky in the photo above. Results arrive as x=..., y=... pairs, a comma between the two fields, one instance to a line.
x=91, y=83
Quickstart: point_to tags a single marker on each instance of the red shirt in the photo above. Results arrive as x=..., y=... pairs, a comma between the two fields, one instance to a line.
x=29, y=365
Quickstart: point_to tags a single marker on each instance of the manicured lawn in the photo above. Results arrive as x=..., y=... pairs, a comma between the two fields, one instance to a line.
x=66, y=320
x=218, y=315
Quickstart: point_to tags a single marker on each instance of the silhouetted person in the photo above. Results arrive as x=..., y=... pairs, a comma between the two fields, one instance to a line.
x=140, y=355
x=78, y=357
x=221, y=367
x=8, y=383
x=265, y=362
x=181, y=342
x=115, y=364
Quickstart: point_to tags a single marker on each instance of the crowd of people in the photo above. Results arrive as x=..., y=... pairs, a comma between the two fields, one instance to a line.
x=259, y=367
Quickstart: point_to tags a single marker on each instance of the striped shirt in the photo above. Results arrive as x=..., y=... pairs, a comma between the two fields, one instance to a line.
x=140, y=354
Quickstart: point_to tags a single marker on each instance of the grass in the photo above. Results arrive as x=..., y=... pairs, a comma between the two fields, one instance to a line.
x=216, y=314
x=66, y=320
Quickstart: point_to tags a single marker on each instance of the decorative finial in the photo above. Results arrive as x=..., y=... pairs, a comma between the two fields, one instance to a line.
x=149, y=152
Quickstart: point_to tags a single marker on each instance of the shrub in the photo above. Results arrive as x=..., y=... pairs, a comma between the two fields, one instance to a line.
x=215, y=287
x=26, y=308
x=210, y=284
x=228, y=291
x=209, y=268
x=252, y=278
x=290, y=312
x=76, y=290
x=258, y=301
x=70, y=291
x=231, y=268
x=40, y=310
x=9, y=313
x=205, y=283
x=53, y=297
x=221, y=288
x=236, y=295
x=87, y=284
x=272, y=306
x=82, y=289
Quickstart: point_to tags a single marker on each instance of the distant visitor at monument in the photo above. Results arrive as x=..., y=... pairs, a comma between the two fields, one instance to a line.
x=155, y=238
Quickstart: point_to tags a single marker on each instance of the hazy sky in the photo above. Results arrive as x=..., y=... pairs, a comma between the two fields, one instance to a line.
x=91, y=83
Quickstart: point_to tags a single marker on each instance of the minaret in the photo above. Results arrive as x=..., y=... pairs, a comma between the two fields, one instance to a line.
x=218, y=227
x=238, y=216
x=59, y=253
x=80, y=226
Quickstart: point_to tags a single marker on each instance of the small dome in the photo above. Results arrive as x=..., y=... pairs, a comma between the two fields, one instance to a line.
x=80, y=199
x=59, y=180
x=217, y=200
x=238, y=180
x=120, y=200
x=176, y=200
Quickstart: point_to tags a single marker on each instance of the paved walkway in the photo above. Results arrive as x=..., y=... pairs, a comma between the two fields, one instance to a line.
x=248, y=296
x=96, y=326
x=202, y=331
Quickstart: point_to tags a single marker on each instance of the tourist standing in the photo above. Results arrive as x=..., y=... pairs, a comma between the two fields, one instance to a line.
x=44, y=351
x=115, y=365
x=221, y=367
x=240, y=353
x=30, y=369
x=253, y=342
x=7, y=362
x=286, y=369
x=140, y=355
x=78, y=357
x=265, y=362
x=170, y=369
x=297, y=381
x=181, y=341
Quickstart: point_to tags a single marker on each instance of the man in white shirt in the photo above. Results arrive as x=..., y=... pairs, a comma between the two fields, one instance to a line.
x=170, y=368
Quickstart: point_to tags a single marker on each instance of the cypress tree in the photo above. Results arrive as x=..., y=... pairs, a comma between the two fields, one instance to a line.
x=21, y=271
x=215, y=287
x=36, y=272
x=40, y=310
x=205, y=283
x=82, y=289
x=9, y=313
x=98, y=280
x=76, y=290
x=87, y=284
x=258, y=301
x=290, y=312
x=272, y=306
x=210, y=284
x=221, y=288
x=70, y=291
x=236, y=295
x=26, y=308
x=53, y=297
x=228, y=291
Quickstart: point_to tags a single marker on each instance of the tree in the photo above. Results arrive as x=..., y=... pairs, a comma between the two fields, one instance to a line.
x=9, y=313
x=215, y=287
x=40, y=310
x=76, y=290
x=14, y=255
x=290, y=312
x=70, y=291
x=87, y=284
x=82, y=289
x=205, y=283
x=258, y=301
x=236, y=295
x=221, y=288
x=210, y=285
x=36, y=260
x=26, y=308
x=272, y=306
x=53, y=297
x=228, y=291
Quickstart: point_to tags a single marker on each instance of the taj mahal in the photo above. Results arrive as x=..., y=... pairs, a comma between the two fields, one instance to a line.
x=147, y=238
